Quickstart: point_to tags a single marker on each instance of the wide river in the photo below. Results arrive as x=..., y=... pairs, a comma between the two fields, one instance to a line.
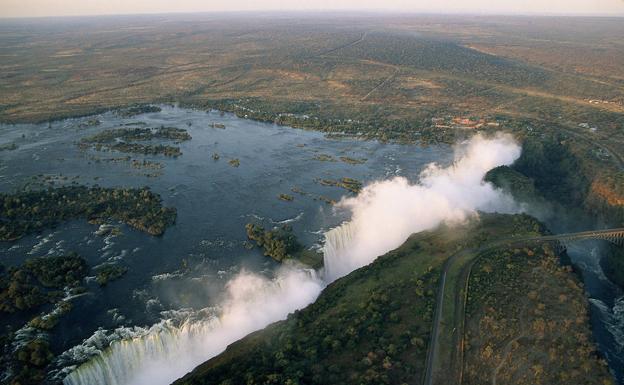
x=185, y=270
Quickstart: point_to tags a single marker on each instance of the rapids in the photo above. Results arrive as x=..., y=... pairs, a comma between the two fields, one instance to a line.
x=165, y=353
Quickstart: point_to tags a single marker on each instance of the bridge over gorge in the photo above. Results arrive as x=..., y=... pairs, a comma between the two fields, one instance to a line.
x=446, y=347
x=615, y=236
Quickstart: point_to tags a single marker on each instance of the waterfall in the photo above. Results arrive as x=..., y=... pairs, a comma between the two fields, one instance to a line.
x=384, y=215
x=338, y=242
x=166, y=352
x=164, y=342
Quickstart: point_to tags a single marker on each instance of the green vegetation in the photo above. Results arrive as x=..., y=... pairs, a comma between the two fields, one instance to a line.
x=138, y=133
x=137, y=110
x=279, y=243
x=521, y=186
x=386, y=78
x=557, y=169
x=173, y=133
x=349, y=184
x=286, y=197
x=527, y=322
x=108, y=272
x=390, y=79
x=324, y=158
x=38, y=280
x=414, y=79
x=90, y=123
x=48, y=321
x=145, y=149
x=154, y=167
x=32, y=358
x=554, y=169
x=146, y=164
x=120, y=139
x=40, y=285
x=370, y=327
x=8, y=147
x=492, y=230
x=336, y=119
x=325, y=199
x=29, y=212
x=353, y=161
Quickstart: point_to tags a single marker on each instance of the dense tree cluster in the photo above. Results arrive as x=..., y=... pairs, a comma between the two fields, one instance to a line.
x=555, y=168
x=32, y=359
x=137, y=110
x=278, y=243
x=353, y=161
x=28, y=212
x=349, y=184
x=371, y=327
x=521, y=186
x=122, y=140
x=138, y=133
x=38, y=280
x=26, y=289
x=445, y=56
x=144, y=149
x=286, y=197
x=527, y=322
x=338, y=120
x=108, y=272
x=8, y=147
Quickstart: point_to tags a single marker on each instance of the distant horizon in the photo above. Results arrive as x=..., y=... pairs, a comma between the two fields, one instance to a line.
x=85, y=8
x=342, y=12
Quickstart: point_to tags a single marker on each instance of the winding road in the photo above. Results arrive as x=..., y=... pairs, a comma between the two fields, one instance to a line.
x=446, y=367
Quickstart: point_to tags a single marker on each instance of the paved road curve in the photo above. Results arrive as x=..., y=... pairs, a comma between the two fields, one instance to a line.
x=434, y=366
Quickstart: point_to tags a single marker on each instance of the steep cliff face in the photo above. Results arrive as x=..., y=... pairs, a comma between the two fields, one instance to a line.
x=557, y=172
x=553, y=171
x=564, y=173
x=606, y=197
x=373, y=325
x=606, y=192
x=613, y=264
x=370, y=327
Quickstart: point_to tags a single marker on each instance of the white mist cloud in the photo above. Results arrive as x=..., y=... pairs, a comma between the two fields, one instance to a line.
x=165, y=352
x=252, y=303
x=386, y=213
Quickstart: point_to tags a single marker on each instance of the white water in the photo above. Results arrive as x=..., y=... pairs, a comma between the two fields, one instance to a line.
x=384, y=214
x=613, y=318
x=166, y=352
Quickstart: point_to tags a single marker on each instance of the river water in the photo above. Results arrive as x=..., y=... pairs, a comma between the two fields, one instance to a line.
x=178, y=277
x=214, y=201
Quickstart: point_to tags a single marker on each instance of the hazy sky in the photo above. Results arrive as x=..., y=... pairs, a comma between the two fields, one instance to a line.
x=19, y=8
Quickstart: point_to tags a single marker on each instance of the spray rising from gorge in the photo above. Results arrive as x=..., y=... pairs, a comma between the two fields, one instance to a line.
x=165, y=352
x=386, y=213
x=383, y=216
